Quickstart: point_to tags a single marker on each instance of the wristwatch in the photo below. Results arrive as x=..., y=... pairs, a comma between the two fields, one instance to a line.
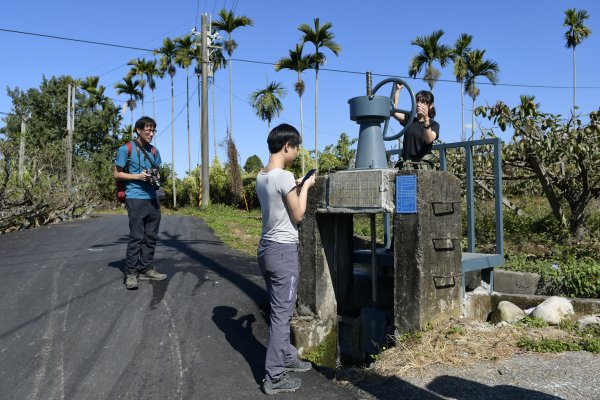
x=427, y=126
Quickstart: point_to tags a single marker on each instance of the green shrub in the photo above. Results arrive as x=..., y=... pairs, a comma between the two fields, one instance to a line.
x=547, y=345
x=565, y=275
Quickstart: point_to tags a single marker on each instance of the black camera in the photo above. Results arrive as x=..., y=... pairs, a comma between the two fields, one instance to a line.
x=154, y=179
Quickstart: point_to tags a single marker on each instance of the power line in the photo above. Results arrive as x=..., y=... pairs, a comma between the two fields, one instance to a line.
x=272, y=64
x=74, y=40
x=438, y=80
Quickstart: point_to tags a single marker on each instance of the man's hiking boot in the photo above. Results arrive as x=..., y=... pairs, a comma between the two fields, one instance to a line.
x=299, y=366
x=284, y=384
x=131, y=281
x=152, y=275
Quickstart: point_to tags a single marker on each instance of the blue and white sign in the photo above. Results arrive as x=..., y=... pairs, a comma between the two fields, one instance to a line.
x=406, y=194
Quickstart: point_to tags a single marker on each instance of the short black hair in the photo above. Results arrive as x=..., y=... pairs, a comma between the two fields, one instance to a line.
x=282, y=134
x=428, y=98
x=143, y=122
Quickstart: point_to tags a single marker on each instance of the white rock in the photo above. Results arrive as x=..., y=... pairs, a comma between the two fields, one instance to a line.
x=509, y=312
x=529, y=310
x=589, y=320
x=553, y=310
x=481, y=290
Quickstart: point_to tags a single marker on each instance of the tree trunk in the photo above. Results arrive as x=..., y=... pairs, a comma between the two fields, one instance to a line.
x=230, y=100
x=577, y=222
x=574, y=81
x=473, y=120
x=302, y=134
x=187, y=109
x=462, y=113
x=173, y=144
x=317, y=117
x=553, y=199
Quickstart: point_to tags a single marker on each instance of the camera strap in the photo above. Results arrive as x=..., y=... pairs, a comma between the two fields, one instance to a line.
x=145, y=153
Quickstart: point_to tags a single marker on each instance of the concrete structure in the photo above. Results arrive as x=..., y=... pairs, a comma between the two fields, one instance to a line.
x=418, y=282
x=427, y=254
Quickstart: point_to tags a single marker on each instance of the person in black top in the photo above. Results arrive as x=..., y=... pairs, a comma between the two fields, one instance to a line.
x=418, y=139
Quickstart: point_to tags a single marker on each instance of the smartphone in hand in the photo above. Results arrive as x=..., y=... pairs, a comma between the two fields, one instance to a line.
x=308, y=175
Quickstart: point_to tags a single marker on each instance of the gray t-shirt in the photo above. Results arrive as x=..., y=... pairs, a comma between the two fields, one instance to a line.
x=272, y=187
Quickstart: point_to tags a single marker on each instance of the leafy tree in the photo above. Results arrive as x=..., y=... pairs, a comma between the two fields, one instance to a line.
x=342, y=153
x=431, y=51
x=267, y=102
x=167, y=55
x=253, y=164
x=574, y=20
x=228, y=23
x=219, y=184
x=320, y=37
x=476, y=67
x=298, y=63
x=564, y=157
x=130, y=88
x=42, y=196
x=333, y=158
x=459, y=57
x=184, y=56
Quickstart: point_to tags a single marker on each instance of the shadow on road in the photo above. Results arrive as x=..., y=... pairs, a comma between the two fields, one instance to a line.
x=446, y=387
x=238, y=333
x=463, y=389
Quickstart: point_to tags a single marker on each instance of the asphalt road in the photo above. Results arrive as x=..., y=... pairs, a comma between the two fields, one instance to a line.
x=70, y=330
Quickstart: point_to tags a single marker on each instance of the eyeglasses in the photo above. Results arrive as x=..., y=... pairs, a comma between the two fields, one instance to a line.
x=149, y=130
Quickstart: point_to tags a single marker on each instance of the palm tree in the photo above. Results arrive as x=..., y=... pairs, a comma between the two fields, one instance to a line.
x=96, y=91
x=153, y=72
x=297, y=62
x=459, y=57
x=431, y=51
x=228, y=22
x=184, y=57
x=138, y=69
x=320, y=37
x=267, y=102
x=574, y=20
x=130, y=88
x=477, y=66
x=167, y=55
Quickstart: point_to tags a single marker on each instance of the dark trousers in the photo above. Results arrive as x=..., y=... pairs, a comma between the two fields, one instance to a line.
x=278, y=263
x=144, y=220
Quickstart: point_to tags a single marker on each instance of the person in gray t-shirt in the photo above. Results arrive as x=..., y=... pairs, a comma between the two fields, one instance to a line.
x=283, y=206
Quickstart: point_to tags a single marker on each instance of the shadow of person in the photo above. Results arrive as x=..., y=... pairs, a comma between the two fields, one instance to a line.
x=460, y=388
x=238, y=333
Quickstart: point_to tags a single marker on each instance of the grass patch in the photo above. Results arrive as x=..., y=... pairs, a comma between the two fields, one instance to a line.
x=532, y=322
x=238, y=229
x=547, y=345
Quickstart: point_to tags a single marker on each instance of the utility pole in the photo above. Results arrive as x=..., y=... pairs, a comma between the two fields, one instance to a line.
x=70, y=127
x=204, y=134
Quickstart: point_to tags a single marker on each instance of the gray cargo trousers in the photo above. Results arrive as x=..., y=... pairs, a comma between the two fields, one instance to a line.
x=278, y=264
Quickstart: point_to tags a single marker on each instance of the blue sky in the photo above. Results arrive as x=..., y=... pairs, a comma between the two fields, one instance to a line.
x=525, y=38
